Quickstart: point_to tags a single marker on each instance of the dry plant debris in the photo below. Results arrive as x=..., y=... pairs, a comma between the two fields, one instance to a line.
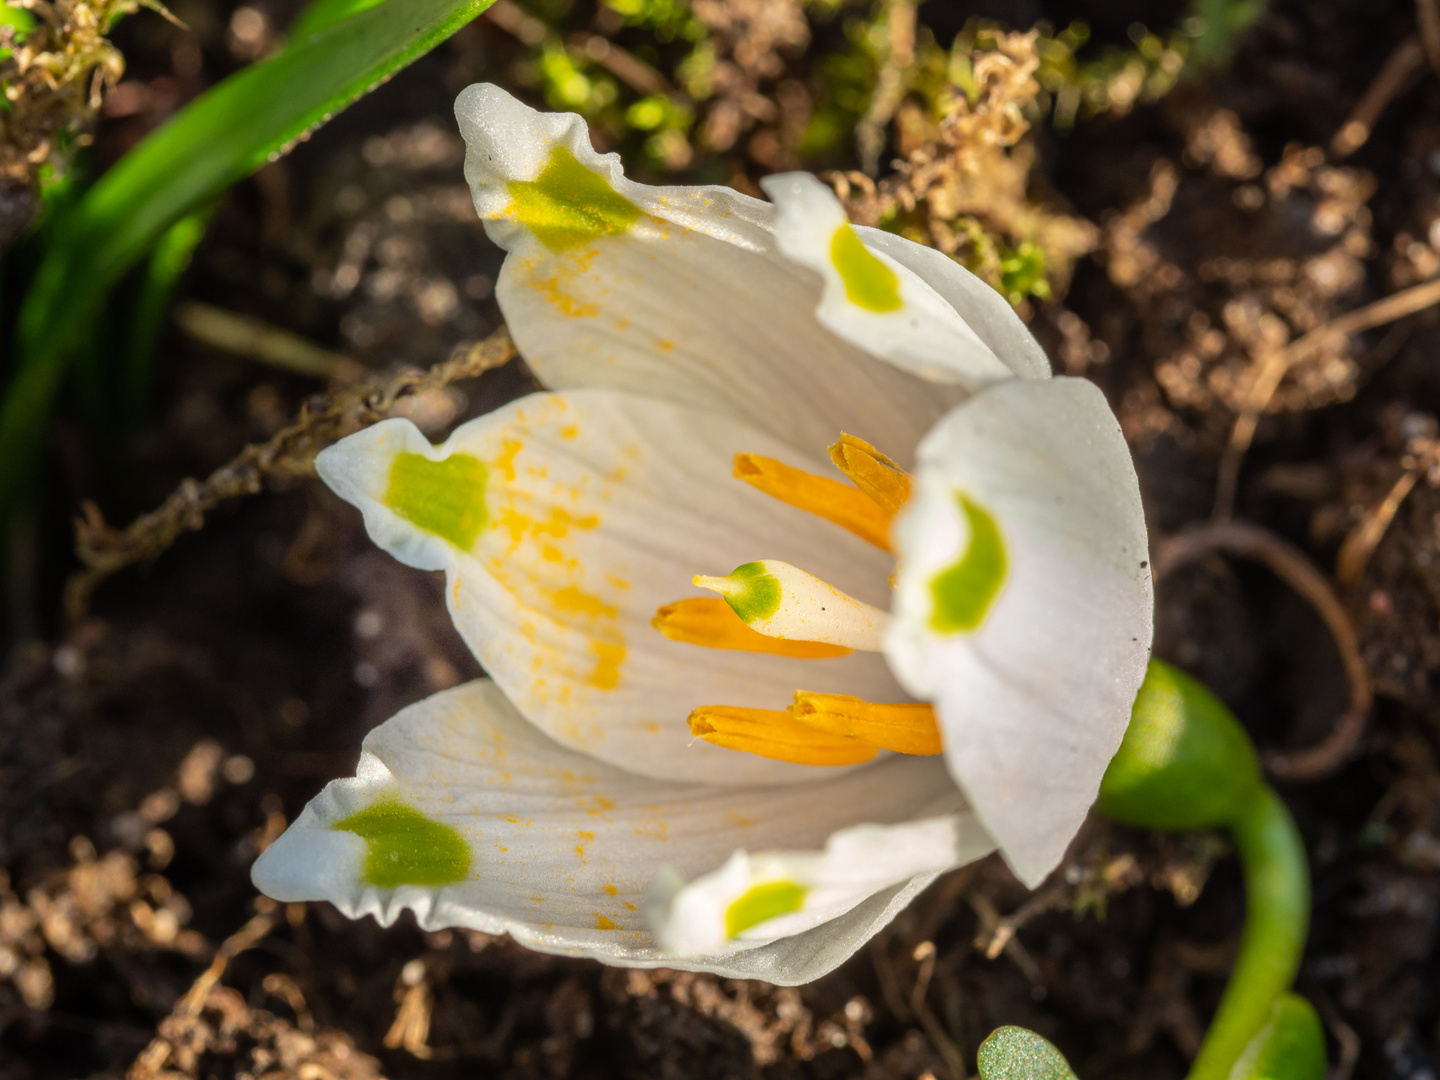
x=774, y=1020
x=105, y=550
x=1284, y=252
x=54, y=77
x=214, y=1024
x=962, y=183
x=99, y=903
x=1301, y=574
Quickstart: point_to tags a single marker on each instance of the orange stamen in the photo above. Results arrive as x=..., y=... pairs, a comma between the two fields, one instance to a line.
x=829, y=499
x=775, y=734
x=872, y=472
x=710, y=621
x=906, y=729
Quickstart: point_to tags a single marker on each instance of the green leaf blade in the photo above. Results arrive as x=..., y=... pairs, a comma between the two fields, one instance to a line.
x=220, y=138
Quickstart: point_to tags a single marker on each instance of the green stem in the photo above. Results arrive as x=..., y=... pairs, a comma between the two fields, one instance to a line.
x=1277, y=917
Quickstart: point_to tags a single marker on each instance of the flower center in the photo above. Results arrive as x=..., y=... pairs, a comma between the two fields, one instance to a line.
x=769, y=606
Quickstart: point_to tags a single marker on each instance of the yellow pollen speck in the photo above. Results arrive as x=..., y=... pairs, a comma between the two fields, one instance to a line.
x=606, y=675
x=602, y=923
x=505, y=463
x=569, y=431
x=572, y=601
x=610, y=890
x=562, y=301
x=630, y=905
x=665, y=345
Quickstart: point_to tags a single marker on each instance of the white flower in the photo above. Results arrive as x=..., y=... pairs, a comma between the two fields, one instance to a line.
x=702, y=350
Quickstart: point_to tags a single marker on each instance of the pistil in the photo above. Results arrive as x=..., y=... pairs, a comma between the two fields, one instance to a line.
x=779, y=600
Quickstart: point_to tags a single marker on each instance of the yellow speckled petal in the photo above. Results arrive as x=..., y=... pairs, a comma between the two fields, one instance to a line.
x=481, y=821
x=598, y=509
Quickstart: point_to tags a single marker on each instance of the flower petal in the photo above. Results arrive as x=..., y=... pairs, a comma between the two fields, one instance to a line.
x=1023, y=605
x=587, y=512
x=984, y=310
x=869, y=298
x=682, y=296
x=466, y=814
x=770, y=895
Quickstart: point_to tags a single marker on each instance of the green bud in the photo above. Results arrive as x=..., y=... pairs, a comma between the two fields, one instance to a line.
x=1291, y=1045
x=1185, y=763
x=1016, y=1053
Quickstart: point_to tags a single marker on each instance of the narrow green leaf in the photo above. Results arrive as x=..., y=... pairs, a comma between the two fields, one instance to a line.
x=1016, y=1053
x=220, y=138
x=167, y=263
x=320, y=14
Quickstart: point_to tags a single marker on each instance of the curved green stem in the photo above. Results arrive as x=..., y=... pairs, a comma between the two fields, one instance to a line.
x=1277, y=917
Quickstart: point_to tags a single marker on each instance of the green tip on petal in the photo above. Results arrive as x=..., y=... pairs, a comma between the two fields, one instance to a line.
x=869, y=283
x=407, y=848
x=963, y=592
x=568, y=204
x=445, y=497
x=1016, y=1053
x=762, y=903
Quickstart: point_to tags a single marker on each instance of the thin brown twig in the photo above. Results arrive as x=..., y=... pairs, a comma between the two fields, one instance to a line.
x=152, y=1059
x=1360, y=544
x=105, y=550
x=1390, y=81
x=1272, y=370
x=925, y=955
x=1345, y=1035
x=998, y=936
x=886, y=977
x=247, y=937
x=1296, y=569
x=623, y=64
x=1427, y=15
